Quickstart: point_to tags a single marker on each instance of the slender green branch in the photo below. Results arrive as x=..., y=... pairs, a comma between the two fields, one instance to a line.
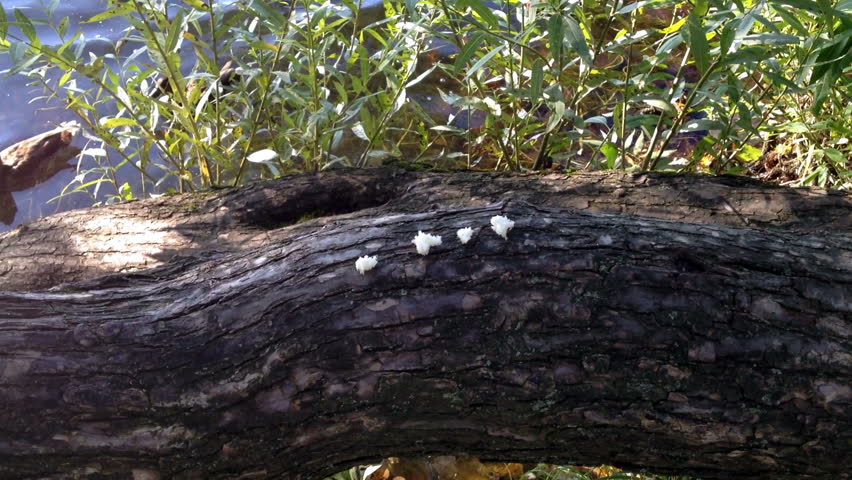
x=390, y=110
x=179, y=89
x=662, y=120
x=687, y=104
x=279, y=47
x=480, y=86
x=217, y=126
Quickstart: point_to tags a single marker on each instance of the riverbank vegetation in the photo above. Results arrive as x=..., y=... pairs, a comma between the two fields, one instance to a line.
x=757, y=87
x=198, y=95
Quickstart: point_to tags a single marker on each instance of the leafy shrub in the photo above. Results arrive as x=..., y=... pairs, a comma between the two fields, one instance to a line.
x=719, y=86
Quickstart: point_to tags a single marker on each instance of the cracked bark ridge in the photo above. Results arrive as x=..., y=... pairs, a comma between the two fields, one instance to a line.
x=85, y=244
x=696, y=348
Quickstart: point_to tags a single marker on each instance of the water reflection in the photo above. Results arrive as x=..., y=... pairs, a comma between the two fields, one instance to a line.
x=34, y=161
x=23, y=114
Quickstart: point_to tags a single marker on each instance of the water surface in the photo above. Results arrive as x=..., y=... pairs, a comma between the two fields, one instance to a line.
x=22, y=116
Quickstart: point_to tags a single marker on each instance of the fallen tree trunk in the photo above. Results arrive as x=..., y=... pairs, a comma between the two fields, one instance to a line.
x=84, y=244
x=704, y=349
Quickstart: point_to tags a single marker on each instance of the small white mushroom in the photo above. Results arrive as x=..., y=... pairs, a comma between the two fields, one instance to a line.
x=365, y=264
x=424, y=241
x=501, y=225
x=465, y=234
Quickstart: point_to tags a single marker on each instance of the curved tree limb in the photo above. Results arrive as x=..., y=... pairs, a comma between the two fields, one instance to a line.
x=84, y=244
x=703, y=349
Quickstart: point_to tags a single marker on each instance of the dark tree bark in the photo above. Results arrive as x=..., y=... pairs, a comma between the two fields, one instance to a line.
x=704, y=347
x=85, y=244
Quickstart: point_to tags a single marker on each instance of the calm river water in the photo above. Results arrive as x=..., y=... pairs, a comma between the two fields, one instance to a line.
x=22, y=117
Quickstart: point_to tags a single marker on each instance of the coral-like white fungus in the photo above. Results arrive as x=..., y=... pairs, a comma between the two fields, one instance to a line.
x=365, y=264
x=465, y=234
x=501, y=225
x=423, y=241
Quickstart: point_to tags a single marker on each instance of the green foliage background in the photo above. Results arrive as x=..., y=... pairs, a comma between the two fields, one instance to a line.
x=721, y=86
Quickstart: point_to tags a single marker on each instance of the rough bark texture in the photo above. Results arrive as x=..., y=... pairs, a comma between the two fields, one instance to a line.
x=84, y=244
x=703, y=347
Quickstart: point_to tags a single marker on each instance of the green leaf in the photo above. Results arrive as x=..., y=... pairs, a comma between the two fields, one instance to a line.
x=726, y=39
x=124, y=8
x=827, y=11
x=826, y=63
x=269, y=15
x=117, y=122
x=468, y=51
x=825, y=84
x=746, y=55
x=197, y=4
x=482, y=61
x=817, y=177
x=399, y=102
x=744, y=27
x=92, y=70
x=4, y=24
x=557, y=112
x=26, y=26
x=610, y=151
x=637, y=121
x=126, y=192
x=74, y=102
x=421, y=77
x=791, y=20
x=779, y=80
x=62, y=28
x=746, y=117
x=83, y=187
x=65, y=77
x=25, y=64
x=261, y=45
x=556, y=32
x=577, y=40
x=660, y=104
x=669, y=44
x=697, y=41
x=770, y=39
x=749, y=153
x=836, y=156
x=536, y=80
x=484, y=12
x=675, y=27
x=176, y=29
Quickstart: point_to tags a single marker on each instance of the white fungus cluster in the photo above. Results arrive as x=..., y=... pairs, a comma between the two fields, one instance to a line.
x=501, y=225
x=424, y=241
x=365, y=264
x=465, y=234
